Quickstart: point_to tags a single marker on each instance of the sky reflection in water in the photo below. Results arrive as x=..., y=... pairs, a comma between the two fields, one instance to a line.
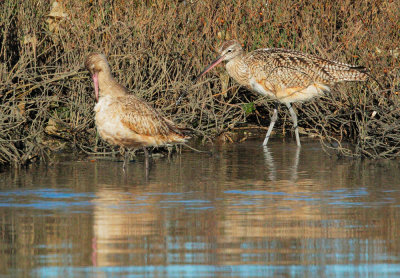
x=246, y=211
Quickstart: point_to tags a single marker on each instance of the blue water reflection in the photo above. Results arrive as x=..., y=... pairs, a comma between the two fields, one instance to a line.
x=363, y=270
x=246, y=212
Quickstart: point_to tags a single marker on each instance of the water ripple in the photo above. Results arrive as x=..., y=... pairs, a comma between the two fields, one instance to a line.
x=45, y=199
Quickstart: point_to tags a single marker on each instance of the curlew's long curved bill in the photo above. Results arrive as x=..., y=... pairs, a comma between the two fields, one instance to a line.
x=210, y=67
x=95, y=78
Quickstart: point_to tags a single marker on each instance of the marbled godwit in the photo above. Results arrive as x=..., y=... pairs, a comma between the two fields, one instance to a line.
x=125, y=120
x=286, y=76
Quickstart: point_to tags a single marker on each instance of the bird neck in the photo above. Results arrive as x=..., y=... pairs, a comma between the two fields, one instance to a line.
x=238, y=70
x=109, y=86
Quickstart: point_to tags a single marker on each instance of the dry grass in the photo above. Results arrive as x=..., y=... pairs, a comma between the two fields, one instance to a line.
x=156, y=48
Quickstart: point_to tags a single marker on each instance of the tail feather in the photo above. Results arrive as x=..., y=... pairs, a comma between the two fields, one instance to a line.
x=362, y=74
x=354, y=73
x=359, y=68
x=185, y=132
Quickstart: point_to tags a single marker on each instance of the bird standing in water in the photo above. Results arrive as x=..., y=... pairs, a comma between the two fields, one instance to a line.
x=286, y=76
x=125, y=120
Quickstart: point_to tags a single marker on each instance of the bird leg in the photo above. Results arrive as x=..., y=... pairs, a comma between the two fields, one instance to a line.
x=169, y=149
x=146, y=159
x=126, y=158
x=294, y=119
x=271, y=125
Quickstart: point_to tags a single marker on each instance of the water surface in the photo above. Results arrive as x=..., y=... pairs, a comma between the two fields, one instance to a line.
x=246, y=211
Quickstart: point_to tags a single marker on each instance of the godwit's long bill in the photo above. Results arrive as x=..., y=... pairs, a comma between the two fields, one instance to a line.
x=284, y=75
x=125, y=120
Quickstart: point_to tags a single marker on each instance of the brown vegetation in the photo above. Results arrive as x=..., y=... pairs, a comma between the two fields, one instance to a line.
x=156, y=48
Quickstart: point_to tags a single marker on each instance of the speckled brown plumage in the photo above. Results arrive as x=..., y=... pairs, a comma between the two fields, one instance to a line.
x=123, y=119
x=284, y=75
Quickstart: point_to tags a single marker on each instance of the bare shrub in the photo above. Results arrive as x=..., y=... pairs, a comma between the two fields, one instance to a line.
x=155, y=48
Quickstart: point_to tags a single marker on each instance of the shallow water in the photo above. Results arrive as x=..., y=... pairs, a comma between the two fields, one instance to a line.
x=246, y=211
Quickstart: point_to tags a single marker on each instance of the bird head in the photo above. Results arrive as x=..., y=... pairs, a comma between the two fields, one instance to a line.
x=228, y=51
x=96, y=63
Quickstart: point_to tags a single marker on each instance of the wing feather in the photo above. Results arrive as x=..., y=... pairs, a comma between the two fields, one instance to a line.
x=143, y=119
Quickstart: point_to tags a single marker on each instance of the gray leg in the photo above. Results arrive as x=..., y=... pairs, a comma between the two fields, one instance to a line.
x=146, y=163
x=293, y=170
x=271, y=125
x=294, y=119
x=146, y=158
x=126, y=158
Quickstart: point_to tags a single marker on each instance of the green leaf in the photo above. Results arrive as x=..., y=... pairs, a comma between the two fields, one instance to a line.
x=248, y=108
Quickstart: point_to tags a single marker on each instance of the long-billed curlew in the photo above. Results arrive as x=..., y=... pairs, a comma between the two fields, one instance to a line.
x=286, y=76
x=125, y=120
